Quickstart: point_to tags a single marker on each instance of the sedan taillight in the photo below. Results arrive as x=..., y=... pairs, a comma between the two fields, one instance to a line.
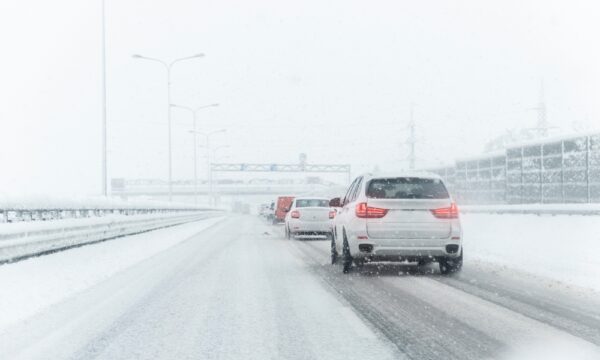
x=295, y=214
x=364, y=211
x=446, y=213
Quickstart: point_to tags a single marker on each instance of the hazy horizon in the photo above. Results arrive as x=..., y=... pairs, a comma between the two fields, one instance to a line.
x=333, y=80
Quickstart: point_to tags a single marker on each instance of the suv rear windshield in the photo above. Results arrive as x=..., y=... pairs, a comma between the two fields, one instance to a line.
x=312, y=203
x=407, y=188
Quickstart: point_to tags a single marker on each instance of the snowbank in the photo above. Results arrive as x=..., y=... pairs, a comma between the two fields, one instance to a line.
x=38, y=283
x=561, y=247
x=567, y=209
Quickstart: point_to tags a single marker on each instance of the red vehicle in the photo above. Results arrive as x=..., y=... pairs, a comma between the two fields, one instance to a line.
x=282, y=206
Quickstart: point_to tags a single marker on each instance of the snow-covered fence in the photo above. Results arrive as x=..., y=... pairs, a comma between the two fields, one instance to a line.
x=21, y=240
x=563, y=169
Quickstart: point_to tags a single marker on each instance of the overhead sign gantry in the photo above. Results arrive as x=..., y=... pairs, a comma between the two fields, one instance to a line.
x=301, y=167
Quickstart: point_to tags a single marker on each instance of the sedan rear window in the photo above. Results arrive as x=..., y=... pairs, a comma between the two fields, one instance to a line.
x=407, y=188
x=312, y=203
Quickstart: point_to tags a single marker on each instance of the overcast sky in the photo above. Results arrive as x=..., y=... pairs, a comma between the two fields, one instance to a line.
x=332, y=79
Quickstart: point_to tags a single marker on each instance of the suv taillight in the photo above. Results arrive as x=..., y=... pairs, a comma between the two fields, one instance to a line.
x=295, y=214
x=364, y=211
x=332, y=214
x=446, y=213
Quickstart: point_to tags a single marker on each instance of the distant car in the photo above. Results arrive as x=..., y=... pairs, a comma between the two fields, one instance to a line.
x=407, y=216
x=263, y=210
x=309, y=218
x=282, y=205
x=270, y=212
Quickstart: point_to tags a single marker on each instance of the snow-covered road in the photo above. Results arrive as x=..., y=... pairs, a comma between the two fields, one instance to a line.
x=235, y=291
x=239, y=290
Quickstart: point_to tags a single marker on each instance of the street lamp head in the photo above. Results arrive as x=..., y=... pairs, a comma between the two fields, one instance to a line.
x=198, y=55
x=207, y=106
x=136, y=56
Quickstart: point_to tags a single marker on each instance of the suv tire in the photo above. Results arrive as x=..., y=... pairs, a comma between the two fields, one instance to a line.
x=450, y=265
x=346, y=257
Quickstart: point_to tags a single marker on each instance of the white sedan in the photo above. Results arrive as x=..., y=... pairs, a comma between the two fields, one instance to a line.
x=309, y=218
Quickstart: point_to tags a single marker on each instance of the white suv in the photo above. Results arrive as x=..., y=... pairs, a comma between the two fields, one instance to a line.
x=402, y=217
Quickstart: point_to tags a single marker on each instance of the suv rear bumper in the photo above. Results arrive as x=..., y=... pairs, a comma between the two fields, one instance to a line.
x=368, y=249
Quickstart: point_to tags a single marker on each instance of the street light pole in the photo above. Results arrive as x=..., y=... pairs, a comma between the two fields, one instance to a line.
x=208, y=169
x=104, y=148
x=216, y=196
x=194, y=113
x=168, y=67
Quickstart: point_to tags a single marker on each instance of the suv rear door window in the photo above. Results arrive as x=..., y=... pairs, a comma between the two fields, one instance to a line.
x=349, y=193
x=407, y=188
x=354, y=194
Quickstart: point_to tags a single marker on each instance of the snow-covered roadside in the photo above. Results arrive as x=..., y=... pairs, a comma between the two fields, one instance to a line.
x=31, y=285
x=562, y=247
x=556, y=209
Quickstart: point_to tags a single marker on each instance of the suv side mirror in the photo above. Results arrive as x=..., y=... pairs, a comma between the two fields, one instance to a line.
x=287, y=209
x=335, y=202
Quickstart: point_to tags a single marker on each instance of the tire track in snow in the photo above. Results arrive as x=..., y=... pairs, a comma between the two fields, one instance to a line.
x=582, y=323
x=419, y=330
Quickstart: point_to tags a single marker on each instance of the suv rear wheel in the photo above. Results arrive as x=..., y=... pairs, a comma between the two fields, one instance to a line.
x=449, y=265
x=346, y=257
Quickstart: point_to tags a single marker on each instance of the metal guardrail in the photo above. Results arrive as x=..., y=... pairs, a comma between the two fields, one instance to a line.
x=22, y=242
x=50, y=213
